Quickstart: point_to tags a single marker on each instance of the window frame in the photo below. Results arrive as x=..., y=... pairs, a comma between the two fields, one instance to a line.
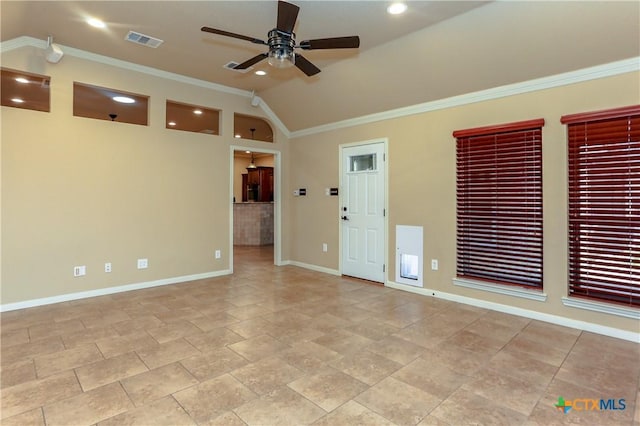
x=531, y=287
x=593, y=278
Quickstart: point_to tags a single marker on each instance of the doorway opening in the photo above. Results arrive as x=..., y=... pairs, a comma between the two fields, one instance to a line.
x=255, y=207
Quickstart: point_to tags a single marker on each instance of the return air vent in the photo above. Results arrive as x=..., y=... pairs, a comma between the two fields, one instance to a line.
x=232, y=64
x=142, y=39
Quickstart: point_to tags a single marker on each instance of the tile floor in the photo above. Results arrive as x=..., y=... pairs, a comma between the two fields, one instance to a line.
x=278, y=346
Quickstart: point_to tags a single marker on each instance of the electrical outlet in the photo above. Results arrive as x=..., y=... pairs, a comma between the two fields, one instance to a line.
x=79, y=271
x=107, y=267
x=218, y=254
x=434, y=264
x=324, y=247
x=143, y=263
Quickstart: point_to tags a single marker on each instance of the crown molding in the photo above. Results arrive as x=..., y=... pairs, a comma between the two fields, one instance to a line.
x=558, y=80
x=274, y=118
x=18, y=42
x=24, y=41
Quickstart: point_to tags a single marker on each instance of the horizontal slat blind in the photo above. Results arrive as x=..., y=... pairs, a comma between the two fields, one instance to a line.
x=499, y=204
x=604, y=206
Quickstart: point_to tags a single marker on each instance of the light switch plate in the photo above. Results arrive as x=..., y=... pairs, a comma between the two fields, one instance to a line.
x=79, y=271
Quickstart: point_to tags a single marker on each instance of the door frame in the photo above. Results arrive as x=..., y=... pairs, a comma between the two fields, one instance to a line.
x=277, y=200
x=385, y=150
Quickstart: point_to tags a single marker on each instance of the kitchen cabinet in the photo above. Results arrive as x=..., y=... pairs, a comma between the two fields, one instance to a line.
x=257, y=184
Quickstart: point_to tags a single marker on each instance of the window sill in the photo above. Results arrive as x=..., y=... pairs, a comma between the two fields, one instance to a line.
x=501, y=289
x=606, y=308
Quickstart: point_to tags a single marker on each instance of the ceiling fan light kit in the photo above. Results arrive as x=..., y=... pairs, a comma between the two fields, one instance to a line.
x=281, y=49
x=282, y=42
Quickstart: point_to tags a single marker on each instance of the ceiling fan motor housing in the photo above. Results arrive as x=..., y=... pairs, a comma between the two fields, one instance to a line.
x=281, y=45
x=282, y=42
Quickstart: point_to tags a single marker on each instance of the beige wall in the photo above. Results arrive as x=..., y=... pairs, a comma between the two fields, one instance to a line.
x=422, y=185
x=78, y=191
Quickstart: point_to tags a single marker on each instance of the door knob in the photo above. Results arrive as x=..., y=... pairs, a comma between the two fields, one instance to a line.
x=345, y=218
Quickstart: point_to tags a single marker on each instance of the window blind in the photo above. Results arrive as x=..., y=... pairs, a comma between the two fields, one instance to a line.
x=499, y=203
x=604, y=205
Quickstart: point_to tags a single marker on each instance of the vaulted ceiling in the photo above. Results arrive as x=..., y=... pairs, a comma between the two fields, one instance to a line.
x=436, y=50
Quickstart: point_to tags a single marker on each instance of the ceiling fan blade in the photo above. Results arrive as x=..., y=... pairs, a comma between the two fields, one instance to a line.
x=248, y=63
x=305, y=66
x=350, y=42
x=234, y=35
x=287, y=15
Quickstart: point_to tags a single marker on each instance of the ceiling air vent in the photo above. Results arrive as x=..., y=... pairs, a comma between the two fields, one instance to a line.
x=232, y=64
x=142, y=39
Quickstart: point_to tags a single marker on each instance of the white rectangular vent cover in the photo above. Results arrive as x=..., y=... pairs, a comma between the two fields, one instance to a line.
x=142, y=39
x=232, y=64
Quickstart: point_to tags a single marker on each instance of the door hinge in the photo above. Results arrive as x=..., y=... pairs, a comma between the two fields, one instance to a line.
x=384, y=268
x=384, y=157
x=384, y=212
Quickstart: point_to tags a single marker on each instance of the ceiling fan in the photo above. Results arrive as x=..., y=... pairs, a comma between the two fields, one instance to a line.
x=282, y=42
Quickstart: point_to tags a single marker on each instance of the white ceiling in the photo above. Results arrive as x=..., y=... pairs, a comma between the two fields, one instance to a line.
x=436, y=50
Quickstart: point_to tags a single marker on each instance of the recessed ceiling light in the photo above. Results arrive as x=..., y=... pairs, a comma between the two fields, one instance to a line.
x=123, y=99
x=397, y=8
x=261, y=72
x=197, y=111
x=22, y=80
x=172, y=123
x=17, y=100
x=96, y=23
x=238, y=136
x=247, y=152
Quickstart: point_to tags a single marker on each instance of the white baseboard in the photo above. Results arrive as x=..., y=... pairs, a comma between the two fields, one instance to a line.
x=109, y=290
x=311, y=267
x=553, y=319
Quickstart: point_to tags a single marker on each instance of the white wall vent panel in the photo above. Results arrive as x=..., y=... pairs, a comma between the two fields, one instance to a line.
x=232, y=64
x=409, y=258
x=142, y=39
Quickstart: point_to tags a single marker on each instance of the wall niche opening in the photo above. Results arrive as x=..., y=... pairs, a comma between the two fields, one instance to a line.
x=20, y=89
x=252, y=128
x=101, y=103
x=192, y=118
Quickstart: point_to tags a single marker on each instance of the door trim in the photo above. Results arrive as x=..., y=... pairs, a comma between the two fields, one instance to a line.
x=277, y=201
x=385, y=150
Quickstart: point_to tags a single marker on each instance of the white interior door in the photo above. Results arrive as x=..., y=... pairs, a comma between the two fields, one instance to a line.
x=362, y=211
